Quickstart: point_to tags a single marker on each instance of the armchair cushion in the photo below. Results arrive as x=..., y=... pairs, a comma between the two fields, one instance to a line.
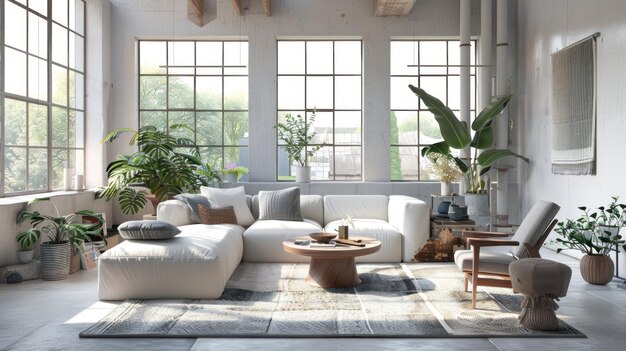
x=533, y=226
x=492, y=260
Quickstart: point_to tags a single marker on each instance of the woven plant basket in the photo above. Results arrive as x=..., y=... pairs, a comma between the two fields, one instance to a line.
x=55, y=261
x=597, y=269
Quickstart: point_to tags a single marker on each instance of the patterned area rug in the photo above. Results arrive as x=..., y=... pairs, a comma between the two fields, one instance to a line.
x=273, y=300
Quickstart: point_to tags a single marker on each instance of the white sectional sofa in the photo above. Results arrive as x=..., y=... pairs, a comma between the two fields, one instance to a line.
x=198, y=262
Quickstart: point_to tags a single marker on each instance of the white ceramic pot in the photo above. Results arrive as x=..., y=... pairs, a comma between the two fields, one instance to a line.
x=446, y=188
x=477, y=204
x=303, y=174
x=230, y=178
x=25, y=256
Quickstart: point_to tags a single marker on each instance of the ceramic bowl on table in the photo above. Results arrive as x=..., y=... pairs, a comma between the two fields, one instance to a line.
x=323, y=237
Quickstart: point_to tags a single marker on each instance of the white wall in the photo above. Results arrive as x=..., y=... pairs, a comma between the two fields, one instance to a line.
x=132, y=19
x=545, y=27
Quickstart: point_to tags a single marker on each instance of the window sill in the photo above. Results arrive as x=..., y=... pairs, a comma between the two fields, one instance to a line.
x=22, y=199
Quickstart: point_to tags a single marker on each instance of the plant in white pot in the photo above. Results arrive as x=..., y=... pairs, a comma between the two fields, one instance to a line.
x=232, y=173
x=482, y=155
x=298, y=134
x=63, y=236
x=445, y=170
x=587, y=234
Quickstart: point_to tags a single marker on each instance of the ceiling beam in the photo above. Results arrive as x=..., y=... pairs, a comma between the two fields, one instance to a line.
x=383, y=8
x=195, y=11
x=267, y=7
x=237, y=6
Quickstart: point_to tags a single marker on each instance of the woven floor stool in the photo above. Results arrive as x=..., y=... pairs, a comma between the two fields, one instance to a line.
x=541, y=281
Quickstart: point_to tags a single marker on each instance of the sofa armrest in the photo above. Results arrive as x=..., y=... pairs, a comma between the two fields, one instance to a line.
x=175, y=212
x=410, y=216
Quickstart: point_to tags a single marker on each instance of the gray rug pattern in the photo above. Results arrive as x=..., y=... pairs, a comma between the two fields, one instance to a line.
x=273, y=300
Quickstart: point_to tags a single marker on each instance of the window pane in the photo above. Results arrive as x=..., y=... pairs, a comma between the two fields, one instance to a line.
x=321, y=164
x=347, y=57
x=211, y=154
x=181, y=92
x=236, y=155
x=152, y=56
x=59, y=44
x=348, y=93
x=15, y=18
x=209, y=128
x=59, y=85
x=235, y=93
x=209, y=53
x=180, y=53
x=77, y=161
x=323, y=127
x=403, y=127
x=37, y=78
x=37, y=35
x=429, y=132
x=404, y=164
x=37, y=169
x=59, y=127
x=186, y=118
x=79, y=19
x=14, y=169
x=284, y=166
x=454, y=92
x=14, y=72
x=59, y=11
x=14, y=122
x=208, y=93
x=76, y=125
x=76, y=49
x=152, y=92
x=79, y=91
x=156, y=119
x=40, y=6
x=236, y=128
x=319, y=57
x=290, y=93
x=347, y=163
x=59, y=159
x=319, y=92
x=435, y=86
x=282, y=118
x=404, y=53
x=290, y=57
x=348, y=127
x=402, y=98
x=433, y=53
x=37, y=125
x=454, y=57
x=235, y=54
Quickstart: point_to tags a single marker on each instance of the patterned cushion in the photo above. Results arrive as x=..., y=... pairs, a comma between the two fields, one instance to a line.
x=215, y=215
x=192, y=201
x=283, y=205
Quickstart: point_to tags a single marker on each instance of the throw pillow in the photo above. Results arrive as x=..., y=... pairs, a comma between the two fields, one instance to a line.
x=223, y=215
x=281, y=205
x=235, y=197
x=193, y=201
x=147, y=230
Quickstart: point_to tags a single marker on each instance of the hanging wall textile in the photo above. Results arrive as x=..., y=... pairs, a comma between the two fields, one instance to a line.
x=574, y=108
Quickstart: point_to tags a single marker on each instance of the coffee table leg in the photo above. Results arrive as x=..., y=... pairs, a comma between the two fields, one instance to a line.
x=333, y=273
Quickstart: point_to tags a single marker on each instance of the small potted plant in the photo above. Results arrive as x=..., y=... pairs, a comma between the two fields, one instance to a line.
x=445, y=170
x=298, y=133
x=63, y=236
x=27, y=241
x=586, y=234
x=232, y=172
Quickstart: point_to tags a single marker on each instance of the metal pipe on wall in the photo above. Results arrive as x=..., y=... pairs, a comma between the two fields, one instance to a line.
x=486, y=46
x=465, y=27
x=502, y=125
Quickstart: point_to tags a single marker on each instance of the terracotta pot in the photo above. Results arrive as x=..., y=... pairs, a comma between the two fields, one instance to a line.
x=597, y=269
x=74, y=261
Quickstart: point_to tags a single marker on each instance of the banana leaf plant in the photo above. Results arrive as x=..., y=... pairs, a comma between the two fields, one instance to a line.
x=456, y=136
x=59, y=229
x=164, y=164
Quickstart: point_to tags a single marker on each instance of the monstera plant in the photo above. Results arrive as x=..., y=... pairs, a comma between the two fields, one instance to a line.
x=456, y=136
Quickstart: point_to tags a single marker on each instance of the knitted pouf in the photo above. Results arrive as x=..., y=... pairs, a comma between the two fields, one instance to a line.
x=541, y=281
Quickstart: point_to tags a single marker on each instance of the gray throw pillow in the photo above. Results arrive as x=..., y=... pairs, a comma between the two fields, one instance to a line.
x=147, y=230
x=280, y=205
x=192, y=201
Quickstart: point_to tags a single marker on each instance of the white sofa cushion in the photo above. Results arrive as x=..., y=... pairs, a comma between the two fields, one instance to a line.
x=195, y=264
x=235, y=197
x=263, y=241
x=360, y=206
x=388, y=235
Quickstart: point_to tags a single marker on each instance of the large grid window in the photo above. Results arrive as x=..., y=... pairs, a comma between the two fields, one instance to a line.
x=323, y=77
x=412, y=125
x=43, y=109
x=203, y=84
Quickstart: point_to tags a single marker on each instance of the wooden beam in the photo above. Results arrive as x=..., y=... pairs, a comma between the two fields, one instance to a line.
x=267, y=7
x=195, y=12
x=237, y=6
x=383, y=8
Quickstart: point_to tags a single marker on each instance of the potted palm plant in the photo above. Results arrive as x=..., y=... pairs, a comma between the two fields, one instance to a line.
x=163, y=164
x=588, y=235
x=62, y=237
x=482, y=155
x=297, y=133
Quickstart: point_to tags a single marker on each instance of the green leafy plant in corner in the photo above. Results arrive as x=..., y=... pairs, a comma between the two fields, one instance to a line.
x=164, y=164
x=58, y=229
x=456, y=136
x=298, y=133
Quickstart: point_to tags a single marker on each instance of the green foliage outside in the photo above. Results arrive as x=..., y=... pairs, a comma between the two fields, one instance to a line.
x=396, y=164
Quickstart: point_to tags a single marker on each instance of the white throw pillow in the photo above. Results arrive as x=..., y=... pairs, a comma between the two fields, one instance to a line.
x=235, y=197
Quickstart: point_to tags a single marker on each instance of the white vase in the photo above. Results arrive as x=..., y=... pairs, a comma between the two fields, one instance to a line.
x=477, y=204
x=25, y=256
x=230, y=178
x=303, y=174
x=446, y=188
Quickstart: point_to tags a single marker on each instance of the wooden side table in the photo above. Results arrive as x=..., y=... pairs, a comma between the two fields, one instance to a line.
x=456, y=227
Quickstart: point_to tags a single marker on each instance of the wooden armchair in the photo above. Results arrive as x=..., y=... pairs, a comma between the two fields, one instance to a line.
x=490, y=266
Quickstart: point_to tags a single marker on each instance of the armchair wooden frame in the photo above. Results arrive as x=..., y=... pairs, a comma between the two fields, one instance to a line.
x=478, y=239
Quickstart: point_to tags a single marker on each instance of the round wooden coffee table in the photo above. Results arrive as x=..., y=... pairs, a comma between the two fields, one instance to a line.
x=332, y=267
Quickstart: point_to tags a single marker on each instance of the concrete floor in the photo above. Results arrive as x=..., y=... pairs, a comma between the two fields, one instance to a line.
x=38, y=315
